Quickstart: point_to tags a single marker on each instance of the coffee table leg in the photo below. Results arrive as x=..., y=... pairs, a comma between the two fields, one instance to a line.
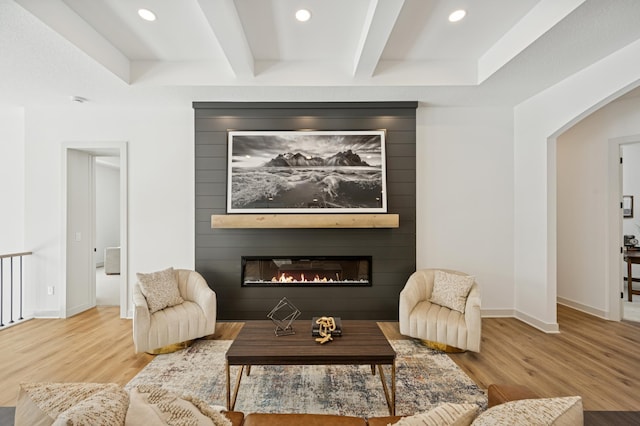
x=235, y=392
x=231, y=402
x=393, y=388
x=391, y=399
x=228, y=374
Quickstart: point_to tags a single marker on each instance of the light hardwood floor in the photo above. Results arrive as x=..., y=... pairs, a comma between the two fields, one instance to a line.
x=591, y=357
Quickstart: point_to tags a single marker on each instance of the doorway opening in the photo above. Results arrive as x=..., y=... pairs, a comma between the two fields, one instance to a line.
x=89, y=227
x=630, y=229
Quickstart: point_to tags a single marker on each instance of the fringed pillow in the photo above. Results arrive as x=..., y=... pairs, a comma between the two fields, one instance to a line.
x=447, y=414
x=99, y=404
x=563, y=411
x=154, y=405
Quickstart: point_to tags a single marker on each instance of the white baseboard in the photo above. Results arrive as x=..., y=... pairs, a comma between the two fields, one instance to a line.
x=498, y=313
x=527, y=319
x=583, y=308
x=550, y=328
x=46, y=314
x=15, y=322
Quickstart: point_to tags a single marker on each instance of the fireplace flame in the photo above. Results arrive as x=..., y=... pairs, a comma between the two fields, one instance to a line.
x=284, y=278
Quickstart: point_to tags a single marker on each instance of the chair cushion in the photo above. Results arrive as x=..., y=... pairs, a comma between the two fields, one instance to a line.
x=542, y=411
x=160, y=289
x=71, y=404
x=451, y=290
x=447, y=414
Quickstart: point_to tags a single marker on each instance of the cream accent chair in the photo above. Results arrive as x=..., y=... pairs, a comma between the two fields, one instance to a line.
x=194, y=318
x=449, y=329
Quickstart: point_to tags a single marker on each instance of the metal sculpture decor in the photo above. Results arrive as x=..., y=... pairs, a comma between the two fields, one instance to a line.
x=283, y=315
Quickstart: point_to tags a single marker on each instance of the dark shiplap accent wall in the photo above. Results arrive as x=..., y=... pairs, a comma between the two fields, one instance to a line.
x=218, y=251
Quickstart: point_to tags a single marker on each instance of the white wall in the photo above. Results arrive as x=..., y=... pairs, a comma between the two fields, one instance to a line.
x=465, y=198
x=12, y=179
x=582, y=182
x=11, y=202
x=107, y=209
x=161, y=186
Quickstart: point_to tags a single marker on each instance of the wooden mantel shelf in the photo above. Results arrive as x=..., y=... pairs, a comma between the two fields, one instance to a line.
x=305, y=221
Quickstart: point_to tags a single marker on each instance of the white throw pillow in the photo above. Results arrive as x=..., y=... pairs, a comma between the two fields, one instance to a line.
x=447, y=414
x=565, y=411
x=451, y=290
x=160, y=289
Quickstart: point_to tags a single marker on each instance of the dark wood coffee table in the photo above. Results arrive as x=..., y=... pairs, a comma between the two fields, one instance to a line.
x=361, y=343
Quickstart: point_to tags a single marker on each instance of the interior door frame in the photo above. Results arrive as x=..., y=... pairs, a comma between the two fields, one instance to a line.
x=616, y=264
x=94, y=149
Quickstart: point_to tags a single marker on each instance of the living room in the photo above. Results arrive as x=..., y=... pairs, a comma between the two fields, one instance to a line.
x=489, y=194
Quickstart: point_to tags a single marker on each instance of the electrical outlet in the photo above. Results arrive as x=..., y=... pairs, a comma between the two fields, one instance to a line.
x=50, y=290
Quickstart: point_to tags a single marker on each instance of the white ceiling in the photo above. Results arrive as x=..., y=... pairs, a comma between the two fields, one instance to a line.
x=501, y=53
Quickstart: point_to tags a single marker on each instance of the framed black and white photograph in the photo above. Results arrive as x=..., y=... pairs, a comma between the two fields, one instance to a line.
x=306, y=172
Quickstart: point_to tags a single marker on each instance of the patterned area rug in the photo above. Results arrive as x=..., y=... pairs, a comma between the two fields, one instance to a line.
x=424, y=379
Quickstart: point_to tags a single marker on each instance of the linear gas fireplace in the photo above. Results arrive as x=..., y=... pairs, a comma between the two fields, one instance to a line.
x=309, y=271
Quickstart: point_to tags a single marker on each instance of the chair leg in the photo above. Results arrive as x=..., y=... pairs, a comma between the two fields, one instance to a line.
x=171, y=348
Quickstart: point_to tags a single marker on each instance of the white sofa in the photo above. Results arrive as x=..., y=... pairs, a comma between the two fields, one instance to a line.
x=194, y=318
x=420, y=318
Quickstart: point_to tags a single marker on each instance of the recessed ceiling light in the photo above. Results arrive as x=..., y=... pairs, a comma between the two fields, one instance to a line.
x=147, y=15
x=303, y=15
x=457, y=15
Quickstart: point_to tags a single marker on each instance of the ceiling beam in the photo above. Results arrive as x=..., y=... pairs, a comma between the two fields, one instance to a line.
x=225, y=23
x=63, y=20
x=544, y=16
x=380, y=20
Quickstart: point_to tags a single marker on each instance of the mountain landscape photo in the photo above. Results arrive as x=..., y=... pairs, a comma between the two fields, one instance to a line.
x=329, y=172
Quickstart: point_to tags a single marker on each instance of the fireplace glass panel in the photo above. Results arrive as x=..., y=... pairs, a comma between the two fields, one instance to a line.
x=311, y=271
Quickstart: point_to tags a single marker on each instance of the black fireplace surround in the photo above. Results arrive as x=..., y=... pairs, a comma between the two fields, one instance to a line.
x=218, y=251
x=306, y=271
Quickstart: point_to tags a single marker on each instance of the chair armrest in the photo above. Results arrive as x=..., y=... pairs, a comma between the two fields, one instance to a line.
x=473, y=300
x=198, y=291
x=415, y=290
x=473, y=319
x=141, y=319
x=205, y=297
x=141, y=308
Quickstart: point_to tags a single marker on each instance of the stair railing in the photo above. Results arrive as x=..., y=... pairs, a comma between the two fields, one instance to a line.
x=12, y=288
